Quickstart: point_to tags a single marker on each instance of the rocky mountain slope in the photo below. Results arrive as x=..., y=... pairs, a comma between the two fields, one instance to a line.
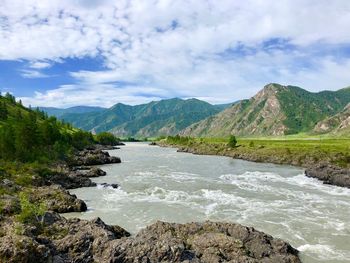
x=339, y=123
x=275, y=110
x=165, y=117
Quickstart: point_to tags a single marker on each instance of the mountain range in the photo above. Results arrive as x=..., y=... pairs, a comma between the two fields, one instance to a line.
x=165, y=117
x=273, y=111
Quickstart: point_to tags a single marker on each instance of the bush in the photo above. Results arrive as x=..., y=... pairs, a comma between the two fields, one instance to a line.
x=107, y=138
x=232, y=141
x=30, y=213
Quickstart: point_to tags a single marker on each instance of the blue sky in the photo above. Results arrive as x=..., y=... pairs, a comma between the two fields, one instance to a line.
x=65, y=53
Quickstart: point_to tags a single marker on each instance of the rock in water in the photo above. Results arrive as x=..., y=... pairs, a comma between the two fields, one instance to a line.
x=95, y=172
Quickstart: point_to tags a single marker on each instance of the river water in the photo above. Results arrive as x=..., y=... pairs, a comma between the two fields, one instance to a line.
x=162, y=184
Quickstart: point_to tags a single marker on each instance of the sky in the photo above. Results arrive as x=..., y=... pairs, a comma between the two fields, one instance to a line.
x=63, y=53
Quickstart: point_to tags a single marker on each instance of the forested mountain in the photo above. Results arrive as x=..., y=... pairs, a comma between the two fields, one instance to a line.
x=165, y=117
x=30, y=135
x=57, y=112
x=275, y=110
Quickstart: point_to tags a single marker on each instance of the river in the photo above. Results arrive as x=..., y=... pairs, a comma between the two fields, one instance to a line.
x=161, y=184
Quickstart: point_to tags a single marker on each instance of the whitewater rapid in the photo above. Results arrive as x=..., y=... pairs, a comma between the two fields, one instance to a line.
x=162, y=184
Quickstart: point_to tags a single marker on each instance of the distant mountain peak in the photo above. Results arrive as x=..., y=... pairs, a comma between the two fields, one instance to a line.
x=274, y=110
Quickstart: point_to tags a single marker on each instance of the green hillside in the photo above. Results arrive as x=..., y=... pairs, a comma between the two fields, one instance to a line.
x=30, y=135
x=57, y=112
x=275, y=110
x=165, y=117
x=337, y=124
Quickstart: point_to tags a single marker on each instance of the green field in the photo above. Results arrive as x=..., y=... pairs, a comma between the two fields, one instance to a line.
x=296, y=150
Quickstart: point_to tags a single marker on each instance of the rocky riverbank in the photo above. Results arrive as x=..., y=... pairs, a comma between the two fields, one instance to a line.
x=73, y=240
x=321, y=166
x=53, y=238
x=330, y=174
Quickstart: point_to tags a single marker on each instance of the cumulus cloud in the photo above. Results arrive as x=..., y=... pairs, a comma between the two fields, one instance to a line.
x=217, y=50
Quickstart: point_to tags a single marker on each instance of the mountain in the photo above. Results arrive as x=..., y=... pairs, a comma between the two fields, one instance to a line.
x=165, y=117
x=275, y=110
x=57, y=112
x=337, y=124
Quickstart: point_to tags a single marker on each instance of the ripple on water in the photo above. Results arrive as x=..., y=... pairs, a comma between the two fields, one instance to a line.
x=176, y=187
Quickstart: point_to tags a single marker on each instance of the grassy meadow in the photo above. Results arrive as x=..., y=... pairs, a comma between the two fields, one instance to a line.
x=300, y=150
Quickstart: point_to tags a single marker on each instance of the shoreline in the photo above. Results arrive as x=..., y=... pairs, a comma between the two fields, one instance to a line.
x=321, y=169
x=57, y=239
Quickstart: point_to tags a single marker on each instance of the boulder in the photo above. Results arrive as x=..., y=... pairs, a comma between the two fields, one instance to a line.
x=202, y=242
x=93, y=157
x=74, y=240
x=71, y=180
x=115, y=186
x=59, y=240
x=58, y=199
x=95, y=172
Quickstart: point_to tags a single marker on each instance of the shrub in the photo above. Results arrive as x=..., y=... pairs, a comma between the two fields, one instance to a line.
x=30, y=213
x=107, y=138
x=232, y=141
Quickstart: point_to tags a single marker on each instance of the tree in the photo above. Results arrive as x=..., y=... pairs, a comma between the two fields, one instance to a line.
x=3, y=111
x=107, y=138
x=232, y=141
x=7, y=146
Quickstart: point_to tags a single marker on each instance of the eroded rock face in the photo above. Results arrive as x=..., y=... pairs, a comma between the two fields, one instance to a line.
x=202, y=242
x=74, y=240
x=71, y=180
x=330, y=175
x=58, y=199
x=94, y=157
x=59, y=240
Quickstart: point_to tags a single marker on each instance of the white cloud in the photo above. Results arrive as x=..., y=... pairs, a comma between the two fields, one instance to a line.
x=172, y=48
x=39, y=65
x=32, y=74
x=100, y=95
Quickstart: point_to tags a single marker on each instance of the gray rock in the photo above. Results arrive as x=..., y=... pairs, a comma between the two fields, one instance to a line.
x=115, y=186
x=330, y=175
x=95, y=172
x=93, y=157
x=74, y=240
x=202, y=242
x=58, y=199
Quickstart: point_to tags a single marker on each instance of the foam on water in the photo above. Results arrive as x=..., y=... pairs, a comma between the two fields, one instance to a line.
x=324, y=252
x=179, y=187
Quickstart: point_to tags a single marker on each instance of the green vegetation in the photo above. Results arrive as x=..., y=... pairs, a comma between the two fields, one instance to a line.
x=107, y=138
x=165, y=117
x=232, y=141
x=275, y=110
x=31, y=146
x=304, y=109
x=303, y=151
x=30, y=212
x=30, y=135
